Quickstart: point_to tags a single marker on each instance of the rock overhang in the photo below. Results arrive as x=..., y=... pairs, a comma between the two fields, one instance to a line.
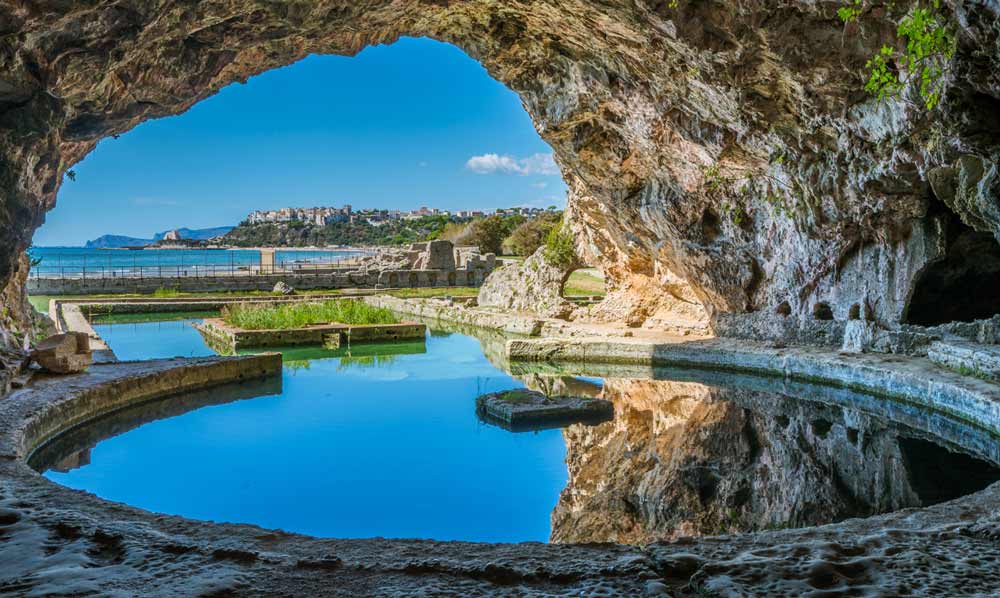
x=649, y=122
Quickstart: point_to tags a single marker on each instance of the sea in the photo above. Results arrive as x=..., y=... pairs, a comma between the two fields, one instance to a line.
x=73, y=261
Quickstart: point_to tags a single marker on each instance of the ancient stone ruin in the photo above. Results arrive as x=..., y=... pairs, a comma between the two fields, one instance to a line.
x=434, y=263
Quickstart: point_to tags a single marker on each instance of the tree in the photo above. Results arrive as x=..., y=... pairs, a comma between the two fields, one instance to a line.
x=489, y=233
x=530, y=235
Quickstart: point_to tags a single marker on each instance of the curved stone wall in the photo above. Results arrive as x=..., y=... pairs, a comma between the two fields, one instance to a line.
x=58, y=540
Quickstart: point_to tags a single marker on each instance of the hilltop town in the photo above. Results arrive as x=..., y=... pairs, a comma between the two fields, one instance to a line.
x=345, y=226
x=323, y=216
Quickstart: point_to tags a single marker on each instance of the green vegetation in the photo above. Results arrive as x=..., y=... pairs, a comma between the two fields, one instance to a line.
x=302, y=234
x=930, y=45
x=41, y=302
x=250, y=316
x=531, y=234
x=163, y=293
x=429, y=292
x=559, y=247
x=489, y=233
x=584, y=283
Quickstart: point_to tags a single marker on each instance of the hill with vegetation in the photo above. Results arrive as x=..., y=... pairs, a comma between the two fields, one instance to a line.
x=500, y=234
x=303, y=234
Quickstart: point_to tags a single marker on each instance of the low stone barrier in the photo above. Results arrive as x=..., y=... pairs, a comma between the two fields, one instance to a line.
x=256, y=282
x=218, y=333
x=436, y=309
x=150, y=380
x=912, y=379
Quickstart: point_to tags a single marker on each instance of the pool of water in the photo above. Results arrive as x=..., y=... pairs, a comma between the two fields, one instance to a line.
x=367, y=443
x=383, y=440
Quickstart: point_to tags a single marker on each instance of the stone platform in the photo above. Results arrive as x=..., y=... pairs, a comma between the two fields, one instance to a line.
x=218, y=333
x=522, y=410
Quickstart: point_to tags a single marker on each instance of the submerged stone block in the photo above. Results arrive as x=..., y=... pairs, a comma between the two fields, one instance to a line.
x=522, y=410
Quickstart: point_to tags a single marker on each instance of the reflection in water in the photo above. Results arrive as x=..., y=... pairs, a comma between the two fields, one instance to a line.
x=684, y=458
x=368, y=443
x=72, y=449
x=383, y=440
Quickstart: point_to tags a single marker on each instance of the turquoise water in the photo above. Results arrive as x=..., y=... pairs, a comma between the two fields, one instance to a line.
x=383, y=440
x=74, y=260
x=350, y=446
x=154, y=340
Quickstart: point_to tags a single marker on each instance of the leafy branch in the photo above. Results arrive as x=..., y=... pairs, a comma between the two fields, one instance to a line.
x=930, y=46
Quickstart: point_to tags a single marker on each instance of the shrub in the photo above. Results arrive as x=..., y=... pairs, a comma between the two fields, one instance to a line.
x=559, y=248
x=251, y=316
x=459, y=233
x=489, y=233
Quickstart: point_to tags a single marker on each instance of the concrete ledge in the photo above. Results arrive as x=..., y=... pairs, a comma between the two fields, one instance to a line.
x=912, y=379
x=217, y=332
x=967, y=358
x=436, y=309
x=143, y=381
x=70, y=318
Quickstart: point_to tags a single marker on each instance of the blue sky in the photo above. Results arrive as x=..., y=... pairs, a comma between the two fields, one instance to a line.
x=415, y=123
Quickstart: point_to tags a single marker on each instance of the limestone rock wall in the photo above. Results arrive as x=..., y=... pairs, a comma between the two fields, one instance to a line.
x=828, y=198
x=532, y=286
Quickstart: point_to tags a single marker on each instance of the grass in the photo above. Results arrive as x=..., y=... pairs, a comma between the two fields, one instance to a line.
x=298, y=315
x=583, y=282
x=162, y=293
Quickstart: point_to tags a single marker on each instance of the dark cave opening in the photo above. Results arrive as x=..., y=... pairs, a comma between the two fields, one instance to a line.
x=962, y=287
x=938, y=474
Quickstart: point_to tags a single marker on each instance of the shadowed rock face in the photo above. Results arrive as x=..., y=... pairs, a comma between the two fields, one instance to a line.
x=647, y=107
x=684, y=459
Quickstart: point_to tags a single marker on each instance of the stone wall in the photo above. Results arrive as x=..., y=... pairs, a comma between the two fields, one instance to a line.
x=263, y=282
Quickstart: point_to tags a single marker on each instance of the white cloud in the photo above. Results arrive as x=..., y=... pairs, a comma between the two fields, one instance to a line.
x=152, y=201
x=540, y=185
x=535, y=164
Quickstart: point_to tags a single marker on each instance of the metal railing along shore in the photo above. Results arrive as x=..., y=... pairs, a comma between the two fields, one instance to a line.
x=77, y=268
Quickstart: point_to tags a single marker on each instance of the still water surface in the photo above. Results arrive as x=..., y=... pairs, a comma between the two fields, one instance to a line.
x=384, y=441
x=356, y=446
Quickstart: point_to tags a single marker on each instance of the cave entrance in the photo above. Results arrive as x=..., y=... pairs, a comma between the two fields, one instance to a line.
x=961, y=287
x=291, y=159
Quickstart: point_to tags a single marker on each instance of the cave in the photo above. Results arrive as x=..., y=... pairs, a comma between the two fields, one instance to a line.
x=964, y=285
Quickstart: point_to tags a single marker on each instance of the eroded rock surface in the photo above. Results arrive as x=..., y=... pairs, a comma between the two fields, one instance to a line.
x=723, y=151
x=533, y=286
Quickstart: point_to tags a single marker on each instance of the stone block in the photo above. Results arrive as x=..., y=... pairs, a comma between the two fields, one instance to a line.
x=64, y=353
x=858, y=336
x=438, y=255
x=969, y=358
x=523, y=410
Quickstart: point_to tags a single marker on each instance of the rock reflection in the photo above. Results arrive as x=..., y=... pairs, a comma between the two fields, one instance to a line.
x=683, y=459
